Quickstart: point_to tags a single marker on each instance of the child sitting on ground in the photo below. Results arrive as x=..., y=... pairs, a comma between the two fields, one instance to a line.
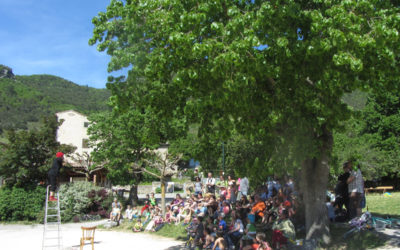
x=147, y=215
x=249, y=234
x=262, y=243
x=226, y=208
x=150, y=225
x=209, y=239
x=129, y=213
x=182, y=215
x=201, y=210
x=135, y=212
x=283, y=230
x=158, y=223
x=138, y=227
x=220, y=243
x=168, y=214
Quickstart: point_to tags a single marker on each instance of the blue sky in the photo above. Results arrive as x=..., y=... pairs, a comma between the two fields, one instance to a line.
x=51, y=37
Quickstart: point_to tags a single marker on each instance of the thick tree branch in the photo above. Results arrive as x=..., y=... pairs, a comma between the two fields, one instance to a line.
x=146, y=171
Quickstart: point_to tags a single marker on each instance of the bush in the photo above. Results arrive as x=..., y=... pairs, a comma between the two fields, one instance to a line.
x=158, y=190
x=18, y=204
x=190, y=173
x=81, y=198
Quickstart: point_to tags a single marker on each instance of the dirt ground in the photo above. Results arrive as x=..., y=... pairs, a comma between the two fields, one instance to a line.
x=15, y=237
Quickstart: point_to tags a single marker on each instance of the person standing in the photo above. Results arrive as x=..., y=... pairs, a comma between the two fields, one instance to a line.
x=210, y=183
x=243, y=188
x=356, y=189
x=270, y=187
x=232, y=190
x=342, y=191
x=53, y=173
x=198, y=186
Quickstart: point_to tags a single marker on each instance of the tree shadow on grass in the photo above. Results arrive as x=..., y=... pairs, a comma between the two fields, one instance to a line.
x=366, y=239
x=391, y=237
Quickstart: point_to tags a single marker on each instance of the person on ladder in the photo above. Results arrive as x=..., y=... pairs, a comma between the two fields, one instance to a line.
x=53, y=173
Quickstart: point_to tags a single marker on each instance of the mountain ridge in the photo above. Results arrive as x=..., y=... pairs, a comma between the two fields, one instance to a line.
x=25, y=99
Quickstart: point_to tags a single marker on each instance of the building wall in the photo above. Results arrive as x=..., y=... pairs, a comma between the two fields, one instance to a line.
x=73, y=131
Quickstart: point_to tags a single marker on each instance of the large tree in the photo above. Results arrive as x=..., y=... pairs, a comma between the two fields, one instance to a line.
x=27, y=156
x=119, y=141
x=124, y=139
x=273, y=68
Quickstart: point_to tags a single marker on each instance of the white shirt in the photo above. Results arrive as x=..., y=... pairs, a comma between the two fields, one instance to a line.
x=128, y=213
x=357, y=185
x=244, y=185
x=210, y=181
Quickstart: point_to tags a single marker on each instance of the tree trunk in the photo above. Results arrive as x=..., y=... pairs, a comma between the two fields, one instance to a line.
x=163, y=196
x=133, y=197
x=315, y=173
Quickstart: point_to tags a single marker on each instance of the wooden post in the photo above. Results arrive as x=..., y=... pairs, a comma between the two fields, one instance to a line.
x=94, y=179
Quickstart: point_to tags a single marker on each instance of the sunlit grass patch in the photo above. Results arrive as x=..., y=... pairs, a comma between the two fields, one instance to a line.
x=378, y=203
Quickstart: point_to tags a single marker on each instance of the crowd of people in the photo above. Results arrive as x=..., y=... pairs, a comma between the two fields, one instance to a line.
x=223, y=214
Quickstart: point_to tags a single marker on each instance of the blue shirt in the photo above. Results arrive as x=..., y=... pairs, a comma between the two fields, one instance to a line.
x=222, y=225
x=201, y=210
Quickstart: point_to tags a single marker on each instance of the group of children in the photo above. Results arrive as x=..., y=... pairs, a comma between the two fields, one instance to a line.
x=217, y=222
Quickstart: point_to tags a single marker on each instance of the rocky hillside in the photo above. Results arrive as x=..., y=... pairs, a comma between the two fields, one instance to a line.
x=6, y=72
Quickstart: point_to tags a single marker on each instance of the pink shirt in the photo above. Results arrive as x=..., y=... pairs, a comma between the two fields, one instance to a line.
x=226, y=210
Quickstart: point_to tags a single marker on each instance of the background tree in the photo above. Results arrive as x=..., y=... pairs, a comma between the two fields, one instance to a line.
x=123, y=139
x=161, y=166
x=27, y=157
x=267, y=68
x=119, y=140
x=371, y=137
x=84, y=164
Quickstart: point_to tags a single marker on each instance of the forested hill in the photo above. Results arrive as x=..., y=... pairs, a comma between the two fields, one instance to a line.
x=25, y=99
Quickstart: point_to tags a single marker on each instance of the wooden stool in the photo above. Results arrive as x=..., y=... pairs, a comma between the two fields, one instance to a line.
x=87, y=235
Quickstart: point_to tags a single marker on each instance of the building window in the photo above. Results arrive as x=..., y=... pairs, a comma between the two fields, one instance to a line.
x=85, y=143
x=86, y=124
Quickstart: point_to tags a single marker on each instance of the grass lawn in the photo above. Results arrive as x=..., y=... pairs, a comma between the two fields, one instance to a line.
x=380, y=205
x=176, y=232
x=361, y=240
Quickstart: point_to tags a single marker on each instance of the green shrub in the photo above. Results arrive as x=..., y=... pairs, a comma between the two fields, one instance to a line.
x=17, y=204
x=190, y=173
x=5, y=201
x=79, y=198
x=158, y=190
